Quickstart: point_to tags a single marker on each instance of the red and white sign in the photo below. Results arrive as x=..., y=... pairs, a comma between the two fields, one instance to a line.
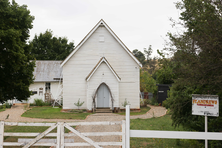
x=205, y=105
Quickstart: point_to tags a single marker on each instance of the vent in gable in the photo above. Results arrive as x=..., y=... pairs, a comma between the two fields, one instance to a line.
x=101, y=38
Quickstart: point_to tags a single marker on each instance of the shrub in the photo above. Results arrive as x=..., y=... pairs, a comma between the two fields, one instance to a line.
x=153, y=101
x=125, y=103
x=8, y=105
x=40, y=102
x=78, y=104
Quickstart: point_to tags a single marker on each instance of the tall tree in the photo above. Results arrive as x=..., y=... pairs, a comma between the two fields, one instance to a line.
x=197, y=54
x=15, y=66
x=47, y=47
x=139, y=55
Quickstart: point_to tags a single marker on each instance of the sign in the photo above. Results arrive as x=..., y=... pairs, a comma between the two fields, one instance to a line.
x=205, y=105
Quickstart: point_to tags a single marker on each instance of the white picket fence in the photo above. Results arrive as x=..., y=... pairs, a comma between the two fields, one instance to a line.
x=166, y=134
x=60, y=141
x=126, y=133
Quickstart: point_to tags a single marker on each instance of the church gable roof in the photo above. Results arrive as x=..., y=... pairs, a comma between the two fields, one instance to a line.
x=102, y=60
x=101, y=22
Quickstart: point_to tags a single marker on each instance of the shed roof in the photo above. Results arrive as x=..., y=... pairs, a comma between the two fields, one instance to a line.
x=47, y=71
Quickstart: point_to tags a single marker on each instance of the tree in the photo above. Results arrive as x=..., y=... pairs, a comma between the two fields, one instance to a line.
x=139, y=55
x=16, y=69
x=147, y=83
x=151, y=63
x=47, y=47
x=165, y=73
x=198, y=65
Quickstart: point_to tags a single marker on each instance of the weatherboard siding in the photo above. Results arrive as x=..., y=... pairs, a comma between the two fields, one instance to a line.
x=35, y=87
x=84, y=60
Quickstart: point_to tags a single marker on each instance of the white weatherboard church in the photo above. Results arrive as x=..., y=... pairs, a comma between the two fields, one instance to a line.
x=101, y=71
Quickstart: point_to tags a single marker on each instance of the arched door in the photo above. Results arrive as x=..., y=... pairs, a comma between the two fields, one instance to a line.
x=103, y=96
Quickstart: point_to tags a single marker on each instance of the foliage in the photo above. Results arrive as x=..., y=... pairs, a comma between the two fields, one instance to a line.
x=52, y=113
x=147, y=83
x=79, y=104
x=197, y=58
x=160, y=123
x=8, y=105
x=139, y=55
x=47, y=47
x=153, y=101
x=125, y=103
x=151, y=63
x=16, y=69
x=39, y=102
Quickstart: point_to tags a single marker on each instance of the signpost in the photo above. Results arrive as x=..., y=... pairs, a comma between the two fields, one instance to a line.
x=205, y=105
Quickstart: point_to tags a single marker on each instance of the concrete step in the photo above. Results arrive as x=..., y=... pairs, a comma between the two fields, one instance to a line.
x=103, y=110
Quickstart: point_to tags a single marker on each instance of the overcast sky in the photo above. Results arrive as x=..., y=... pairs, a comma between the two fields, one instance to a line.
x=138, y=23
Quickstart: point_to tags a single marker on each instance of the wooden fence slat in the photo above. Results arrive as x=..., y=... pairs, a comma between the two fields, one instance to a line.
x=123, y=134
x=40, y=136
x=99, y=143
x=62, y=135
x=175, y=134
x=83, y=137
x=21, y=144
x=65, y=134
x=1, y=133
x=58, y=135
x=28, y=124
x=95, y=123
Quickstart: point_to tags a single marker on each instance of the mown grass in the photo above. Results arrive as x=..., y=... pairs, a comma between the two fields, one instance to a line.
x=3, y=109
x=143, y=110
x=52, y=113
x=161, y=123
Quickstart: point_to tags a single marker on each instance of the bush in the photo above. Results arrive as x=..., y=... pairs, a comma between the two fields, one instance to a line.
x=40, y=102
x=153, y=101
x=8, y=105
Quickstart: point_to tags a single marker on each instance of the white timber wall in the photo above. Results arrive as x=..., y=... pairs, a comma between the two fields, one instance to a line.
x=35, y=87
x=84, y=60
x=103, y=74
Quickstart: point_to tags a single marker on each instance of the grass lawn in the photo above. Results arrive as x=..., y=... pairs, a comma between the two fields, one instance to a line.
x=143, y=110
x=160, y=123
x=1, y=110
x=52, y=113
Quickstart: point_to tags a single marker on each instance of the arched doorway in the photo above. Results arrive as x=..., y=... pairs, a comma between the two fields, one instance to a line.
x=103, y=96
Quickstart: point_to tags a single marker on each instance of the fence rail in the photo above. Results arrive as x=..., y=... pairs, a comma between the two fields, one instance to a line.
x=167, y=134
x=60, y=140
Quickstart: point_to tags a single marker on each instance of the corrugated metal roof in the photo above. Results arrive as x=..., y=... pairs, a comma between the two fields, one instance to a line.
x=47, y=71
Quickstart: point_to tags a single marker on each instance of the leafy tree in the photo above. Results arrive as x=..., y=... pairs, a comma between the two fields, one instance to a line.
x=15, y=66
x=147, y=83
x=47, y=47
x=198, y=65
x=151, y=63
x=139, y=55
x=165, y=73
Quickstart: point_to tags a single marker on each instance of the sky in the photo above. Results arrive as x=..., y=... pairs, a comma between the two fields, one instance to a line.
x=138, y=23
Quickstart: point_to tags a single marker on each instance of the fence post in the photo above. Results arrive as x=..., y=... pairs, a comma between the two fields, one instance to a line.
x=123, y=134
x=58, y=135
x=1, y=133
x=62, y=135
x=206, y=142
x=127, y=126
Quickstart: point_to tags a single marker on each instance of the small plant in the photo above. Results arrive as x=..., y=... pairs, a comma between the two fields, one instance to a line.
x=8, y=105
x=79, y=104
x=125, y=103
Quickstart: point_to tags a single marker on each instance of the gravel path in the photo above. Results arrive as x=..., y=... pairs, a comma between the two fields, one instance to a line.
x=14, y=115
